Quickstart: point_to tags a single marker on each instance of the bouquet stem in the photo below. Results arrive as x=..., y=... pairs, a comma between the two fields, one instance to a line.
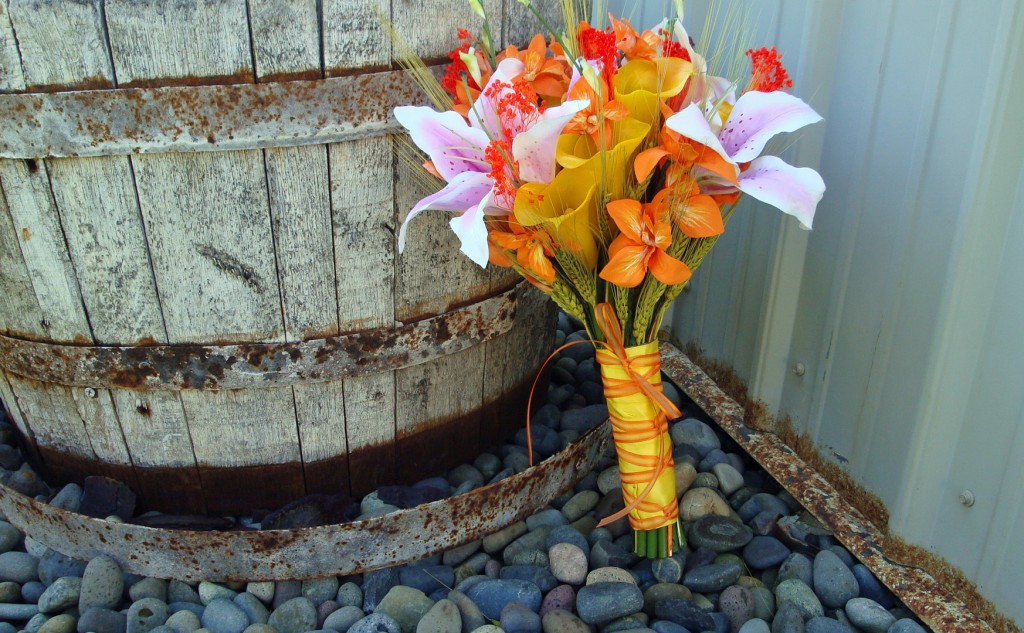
x=639, y=410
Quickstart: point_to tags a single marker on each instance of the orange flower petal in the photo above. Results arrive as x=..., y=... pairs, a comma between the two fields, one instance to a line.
x=667, y=269
x=627, y=266
x=700, y=217
x=647, y=160
x=628, y=216
x=532, y=259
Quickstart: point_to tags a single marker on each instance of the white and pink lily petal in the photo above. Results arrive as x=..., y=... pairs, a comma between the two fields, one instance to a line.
x=457, y=150
x=755, y=118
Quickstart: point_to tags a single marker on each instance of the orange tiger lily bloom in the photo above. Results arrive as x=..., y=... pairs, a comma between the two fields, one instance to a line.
x=696, y=214
x=546, y=75
x=632, y=44
x=596, y=119
x=683, y=154
x=533, y=249
x=645, y=234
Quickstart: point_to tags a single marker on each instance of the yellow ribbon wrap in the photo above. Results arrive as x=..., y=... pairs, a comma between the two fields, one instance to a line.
x=639, y=416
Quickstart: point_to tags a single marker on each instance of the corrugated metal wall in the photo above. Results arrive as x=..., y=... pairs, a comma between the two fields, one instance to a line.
x=904, y=306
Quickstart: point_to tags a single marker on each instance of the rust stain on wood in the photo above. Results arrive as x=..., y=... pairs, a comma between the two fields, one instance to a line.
x=177, y=367
x=164, y=117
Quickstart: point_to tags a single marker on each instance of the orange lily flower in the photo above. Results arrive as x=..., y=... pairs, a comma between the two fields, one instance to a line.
x=546, y=75
x=596, y=119
x=641, y=245
x=533, y=249
x=683, y=153
x=632, y=44
x=696, y=214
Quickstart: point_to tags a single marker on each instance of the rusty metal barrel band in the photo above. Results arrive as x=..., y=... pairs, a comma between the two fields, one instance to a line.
x=332, y=550
x=202, y=118
x=254, y=365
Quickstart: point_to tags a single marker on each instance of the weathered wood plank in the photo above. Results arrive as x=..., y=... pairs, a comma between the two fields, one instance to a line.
x=97, y=219
x=431, y=27
x=160, y=443
x=364, y=232
x=208, y=227
x=107, y=244
x=320, y=409
x=362, y=200
x=155, y=42
x=285, y=39
x=12, y=79
x=19, y=309
x=34, y=216
x=353, y=36
x=511, y=362
x=208, y=223
x=238, y=432
x=429, y=397
x=370, y=431
x=521, y=25
x=62, y=44
x=301, y=209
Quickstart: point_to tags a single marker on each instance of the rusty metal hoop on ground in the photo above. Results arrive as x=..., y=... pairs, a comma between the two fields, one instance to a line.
x=331, y=550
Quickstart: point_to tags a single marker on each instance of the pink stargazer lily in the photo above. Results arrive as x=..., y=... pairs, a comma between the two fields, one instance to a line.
x=457, y=149
x=754, y=119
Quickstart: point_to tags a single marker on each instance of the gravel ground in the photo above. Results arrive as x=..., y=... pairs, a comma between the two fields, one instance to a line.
x=755, y=561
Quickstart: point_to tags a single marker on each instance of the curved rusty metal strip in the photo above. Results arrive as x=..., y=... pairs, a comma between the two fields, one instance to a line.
x=249, y=365
x=202, y=118
x=332, y=550
x=915, y=587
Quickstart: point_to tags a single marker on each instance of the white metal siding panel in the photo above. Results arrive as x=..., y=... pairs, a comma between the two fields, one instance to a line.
x=905, y=302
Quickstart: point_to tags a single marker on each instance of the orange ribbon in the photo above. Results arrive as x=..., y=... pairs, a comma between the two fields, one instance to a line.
x=639, y=373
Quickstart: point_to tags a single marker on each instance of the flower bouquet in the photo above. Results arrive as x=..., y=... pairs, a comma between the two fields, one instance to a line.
x=602, y=165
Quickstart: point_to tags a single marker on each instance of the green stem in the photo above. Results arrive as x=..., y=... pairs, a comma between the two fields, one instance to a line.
x=640, y=543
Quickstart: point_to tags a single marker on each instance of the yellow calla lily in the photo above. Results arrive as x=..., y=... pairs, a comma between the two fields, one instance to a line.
x=566, y=208
x=578, y=152
x=642, y=83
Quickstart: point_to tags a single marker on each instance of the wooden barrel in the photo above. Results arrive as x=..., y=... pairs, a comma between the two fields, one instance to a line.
x=201, y=294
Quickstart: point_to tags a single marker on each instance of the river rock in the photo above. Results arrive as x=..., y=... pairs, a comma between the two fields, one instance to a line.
x=253, y=608
x=568, y=563
x=797, y=566
x=698, y=502
x=714, y=577
x=492, y=596
x=146, y=614
x=868, y=615
x=605, y=601
x=834, y=583
x=729, y=479
x=224, y=616
x=685, y=613
x=763, y=552
x=801, y=596
x=63, y=593
x=695, y=433
x=443, y=617
x=19, y=567
x=719, y=533
x=102, y=584
x=406, y=606
x=376, y=623
x=298, y=615
x=737, y=604
x=822, y=624
x=562, y=597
